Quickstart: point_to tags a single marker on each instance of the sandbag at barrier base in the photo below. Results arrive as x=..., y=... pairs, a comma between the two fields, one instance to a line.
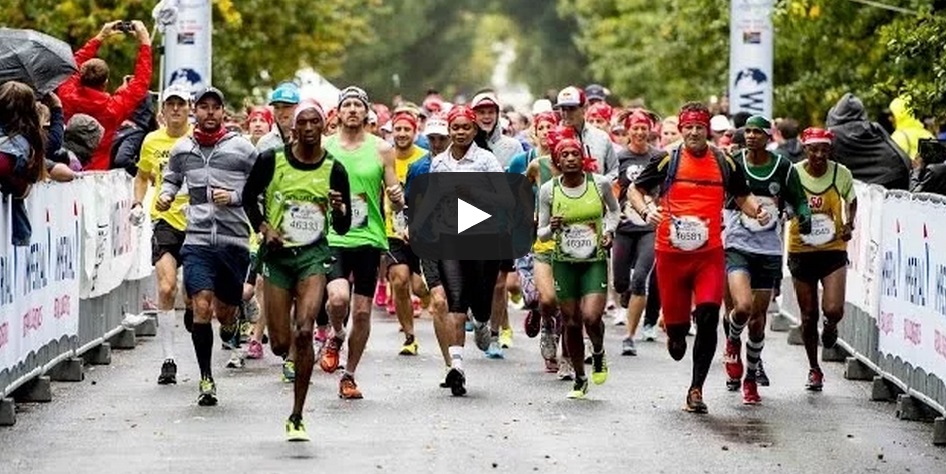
x=854, y=369
x=36, y=390
x=7, y=412
x=834, y=354
x=884, y=391
x=779, y=322
x=123, y=339
x=69, y=370
x=911, y=409
x=149, y=328
x=794, y=336
x=99, y=355
x=939, y=431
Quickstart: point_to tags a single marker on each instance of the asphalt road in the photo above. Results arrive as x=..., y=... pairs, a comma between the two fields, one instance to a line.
x=515, y=418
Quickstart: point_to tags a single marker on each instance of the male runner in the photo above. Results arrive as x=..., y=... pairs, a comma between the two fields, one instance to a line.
x=284, y=100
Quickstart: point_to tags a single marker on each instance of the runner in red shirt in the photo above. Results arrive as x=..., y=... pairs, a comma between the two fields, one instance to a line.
x=693, y=180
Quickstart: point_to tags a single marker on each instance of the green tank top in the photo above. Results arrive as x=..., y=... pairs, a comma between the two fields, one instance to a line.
x=366, y=177
x=579, y=240
x=297, y=201
x=545, y=170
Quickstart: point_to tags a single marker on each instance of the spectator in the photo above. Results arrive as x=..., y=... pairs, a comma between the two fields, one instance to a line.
x=82, y=137
x=789, y=145
x=22, y=152
x=596, y=93
x=126, y=146
x=865, y=148
x=908, y=131
x=930, y=174
x=52, y=121
x=258, y=123
x=85, y=92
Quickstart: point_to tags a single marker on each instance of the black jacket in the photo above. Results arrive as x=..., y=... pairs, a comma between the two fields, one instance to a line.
x=865, y=147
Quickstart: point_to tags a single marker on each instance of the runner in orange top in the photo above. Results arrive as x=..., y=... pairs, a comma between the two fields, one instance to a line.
x=693, y=182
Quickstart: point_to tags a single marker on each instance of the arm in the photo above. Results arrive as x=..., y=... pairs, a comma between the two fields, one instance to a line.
x=612, y=214
x=173, y=175
x=611, y=164
x=738, y=188
x=126, y=99
x=532, y=172
x=850, y=197
x=544, y=231
x=391, y=184
x=338, y=182
x=260, y=177
x=61, y=173
x=57, y=125
x=796, y=197
x=85, y=53
x=653, y=175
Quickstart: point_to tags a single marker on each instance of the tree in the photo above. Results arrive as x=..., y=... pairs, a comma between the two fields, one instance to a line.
x=916, y=63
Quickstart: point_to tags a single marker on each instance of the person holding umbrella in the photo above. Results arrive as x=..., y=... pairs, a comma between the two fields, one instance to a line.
x=85, y=92
x=22, y=152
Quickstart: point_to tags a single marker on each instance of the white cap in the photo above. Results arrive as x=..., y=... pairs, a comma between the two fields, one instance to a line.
x=387, y=127
x=719, y=123
x=178, y=91
x=541, y=106
x=372, y=117
x=570, y=96
x=485, y=98
x=436, y=126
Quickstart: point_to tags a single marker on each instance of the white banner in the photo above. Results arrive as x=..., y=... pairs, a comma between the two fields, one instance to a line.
x=750, y=57
x=188, y=44
x=912, y=316
x=863, y=282
x=39, y=291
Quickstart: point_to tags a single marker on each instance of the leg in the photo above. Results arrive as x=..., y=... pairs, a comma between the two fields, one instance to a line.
x=652, y=310
x=364, y=263
x=166, y=272
x=760, y=306
x=676, y=294
x=399, y=279
x=832, y=304
x=807, y=294
x=308, y=301
x=444, y=328
x=202, y=335
x=643, y=267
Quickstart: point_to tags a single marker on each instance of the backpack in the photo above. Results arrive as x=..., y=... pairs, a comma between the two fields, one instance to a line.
x=726, y=166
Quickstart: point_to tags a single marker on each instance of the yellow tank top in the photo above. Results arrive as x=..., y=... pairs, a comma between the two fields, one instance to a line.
x=395, y=224
x=827, y=196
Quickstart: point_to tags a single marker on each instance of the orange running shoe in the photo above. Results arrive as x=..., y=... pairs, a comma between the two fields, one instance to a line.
x=348, y=389
x=330, y=355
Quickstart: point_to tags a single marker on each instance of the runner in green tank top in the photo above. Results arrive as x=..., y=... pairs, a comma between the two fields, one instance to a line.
x=305, y=191
x=579, y=212
x=370, y=164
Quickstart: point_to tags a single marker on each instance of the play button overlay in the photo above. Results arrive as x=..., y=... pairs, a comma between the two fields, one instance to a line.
x=470, y=216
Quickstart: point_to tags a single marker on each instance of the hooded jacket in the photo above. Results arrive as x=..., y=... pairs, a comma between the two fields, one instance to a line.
x=909, y=130
x=109, y=109
x=865, y=148
x=505, y=148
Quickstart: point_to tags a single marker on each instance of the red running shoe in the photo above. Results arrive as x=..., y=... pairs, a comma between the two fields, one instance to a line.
x=815, y=380
x=750, y=393
x=732, y=359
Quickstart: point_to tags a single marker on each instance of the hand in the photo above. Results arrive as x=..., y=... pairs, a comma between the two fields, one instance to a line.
x=52, y=101
x=221, y=197
x=804, y=225
x=762, y=216
x=556, y=223
x=847, y=231
x=163, y=202
x=395, y=193
x=109, y=30
x=335, y=200
x=654, y=216
x=606, y=240
x=137, y=215
x=141, y=31
x=271, y=236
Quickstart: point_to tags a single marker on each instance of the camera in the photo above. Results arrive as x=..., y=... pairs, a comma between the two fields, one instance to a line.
x=932, y=151
x=125, y=27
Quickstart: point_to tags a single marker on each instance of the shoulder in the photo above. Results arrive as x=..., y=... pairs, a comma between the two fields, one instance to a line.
x=383, y=146
x=546, y=188
x=844, y=172
x=155, y=136
x=184, y=145
x=240, y=144
x=603, y=182
x=657, y=153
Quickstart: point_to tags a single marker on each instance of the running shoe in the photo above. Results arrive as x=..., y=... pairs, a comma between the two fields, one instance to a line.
x=228, y=334
x=588, y=350
x=381, y=293
x=505, y=338
x=695, y=402
x=649, y=333
x=457, y=382
x=579, y=390
x=829, y=335
x=251, y=310
x=551, y=366
x=815, y=380
x=330, y=355
x=732, y=359
x=599, y=368
x=468, y=327
x=565, y=369
x=750, y=392
x=533, y=323
x=295, y=429
x=628, y=348
x=255, y=350
x=288, y=371
x=168, y=373
x=760, y=376
x=495, y=349
x=415, y=304
x=237, y=360
x=246, y=331
x=348, y=389
x=208, y=392
x=443, y=383
x=548, y=343
x=410, y=347
x=482, y=336
x=391, y=307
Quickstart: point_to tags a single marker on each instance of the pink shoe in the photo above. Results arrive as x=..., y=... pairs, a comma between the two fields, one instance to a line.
x=381, y=294
x=415, y=302
x=255, y=351
x=392, y=309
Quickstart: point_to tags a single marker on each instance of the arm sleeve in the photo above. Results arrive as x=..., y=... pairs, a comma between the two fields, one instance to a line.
x=338, y=181
x=173, y=176
x=256, y=184
x=738, y=185
x=544, y=232
x=612, y=215
x=236, y=196
x=653, y=175
x=57, y=127
x=126, y=99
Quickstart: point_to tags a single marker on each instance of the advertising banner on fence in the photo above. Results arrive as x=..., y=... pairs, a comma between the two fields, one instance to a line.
x=39, y=283
x=912, y=316
x=863, y=282
x=750, y=56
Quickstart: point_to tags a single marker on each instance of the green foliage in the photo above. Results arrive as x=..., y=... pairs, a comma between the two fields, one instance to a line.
x=916, y=63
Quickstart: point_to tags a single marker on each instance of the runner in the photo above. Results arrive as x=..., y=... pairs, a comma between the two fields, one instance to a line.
x=821, y=256
x=369, y=161
x=283, y=100
x=403, y=271
x=259, y=122
x=571, y=103
x=214, y=164
x=169, y=225
x=298, y=184
x=690, y=266
x=754, y=253
x=633, y=254
x=579, y=212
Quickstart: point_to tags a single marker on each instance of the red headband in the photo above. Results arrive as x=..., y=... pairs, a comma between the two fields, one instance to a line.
x=562, y=138
x=545, y=117
x=261, y=112
x=815, y=135
x=638, y=117
x=603, y=111
x=691, y=117
x=461, y=111
x=405, y=116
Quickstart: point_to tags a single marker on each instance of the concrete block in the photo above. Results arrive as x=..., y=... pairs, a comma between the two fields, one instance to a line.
x=779, y=323
x=856, y=370
x=100, y=355
x=7, y=412
x=883, y=391
x=37, y=390
x=794, y=336
x=939, y=431
x=834, y=354
x=911, y=409
x=69, y=370
x=149, y=328
x=124, y=339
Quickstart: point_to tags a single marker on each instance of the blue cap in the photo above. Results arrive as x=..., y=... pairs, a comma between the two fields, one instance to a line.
x=287, y=93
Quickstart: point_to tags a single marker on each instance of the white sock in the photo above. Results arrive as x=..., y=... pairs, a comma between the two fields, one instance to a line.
x=166, y=332
x=456, y=357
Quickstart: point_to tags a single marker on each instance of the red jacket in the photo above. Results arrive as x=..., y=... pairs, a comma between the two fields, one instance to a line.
x=109, y=109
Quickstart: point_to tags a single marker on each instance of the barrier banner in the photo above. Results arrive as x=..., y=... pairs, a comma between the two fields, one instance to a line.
x=40, y=289
x=863, y=283
x=912, y=313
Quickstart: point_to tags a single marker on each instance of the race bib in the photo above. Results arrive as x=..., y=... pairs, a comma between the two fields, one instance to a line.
x=822, y=230
x=688, y=233
x=399, y=223
x=303, y=222
x=359, y=211
x=579, y=241
x=753, y=225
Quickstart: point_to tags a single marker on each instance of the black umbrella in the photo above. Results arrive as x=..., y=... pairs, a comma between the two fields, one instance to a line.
x=35, y=58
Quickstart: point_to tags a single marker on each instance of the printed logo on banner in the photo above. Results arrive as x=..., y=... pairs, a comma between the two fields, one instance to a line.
x=751, y=82
x=891, y=270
